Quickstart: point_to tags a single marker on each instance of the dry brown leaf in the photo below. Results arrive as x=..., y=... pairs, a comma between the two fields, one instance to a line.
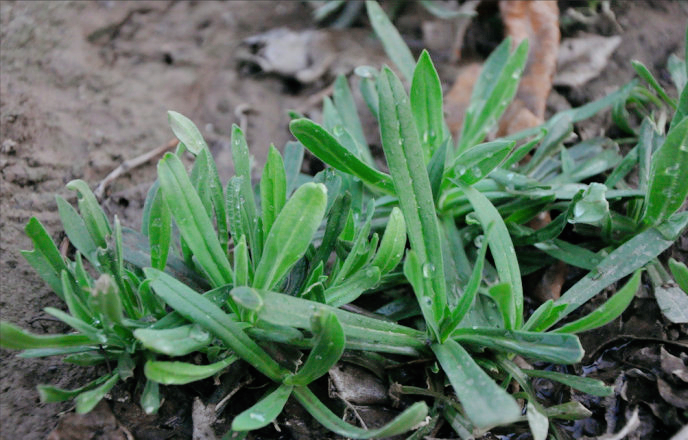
x=582, y=59
x=100, y=423
x=457, y=100
x=538, y=21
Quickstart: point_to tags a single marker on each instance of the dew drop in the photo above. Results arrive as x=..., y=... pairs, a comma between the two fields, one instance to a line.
x=477, y=172
x=428, y=270
x=672, y=170
x=257, y=416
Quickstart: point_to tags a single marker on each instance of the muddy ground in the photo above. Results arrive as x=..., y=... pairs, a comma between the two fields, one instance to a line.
x=86, y=85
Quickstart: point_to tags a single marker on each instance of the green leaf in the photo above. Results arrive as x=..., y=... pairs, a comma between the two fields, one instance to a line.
x=668, y=184
x=291, y=234
x=273, y=189
x=180, y=373
x=551, y=347
x=405, y=421
x=94, y=217
x=76, y=230
x=241, y=263
x=426, y=105
x=328, y=149
x=418, y=275
x=187, y=133
x=501, y=294
x=584, y=384
x=336, y=219
x=86, y=401
x=265, y=411
x=75, y=305
x=13, y=337
x=486, y=404
x=293, y=159
x=352, y=287
x=248, y=298
x=501, y=248
x=593, y=207
x=404, y=155
x=608, y=312
x=568, y=411
x=572, y=254
x=346, y=106
x=680, y=272
x=159, y=231
x=76, y=323
x=106, y=300
x=193, y=222
x=393, y=242
x=328, y=346
x=285, y=310
x=242, y=168
x=178, y=341
x=393, y=43
x=625, y=259
x=51, y=394
x=150, y=397
x=209, y=187
x=544, y=316
x=469, y=293
x=476, y=163
x=645, y=74
x=205, y=313
x=538, y=422
x=45, y=258
x=493, y=92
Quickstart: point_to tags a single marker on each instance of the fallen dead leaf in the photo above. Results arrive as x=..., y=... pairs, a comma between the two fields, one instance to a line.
x=99, y=424
x=539, y=23
x=459, y=96
x=583, y=58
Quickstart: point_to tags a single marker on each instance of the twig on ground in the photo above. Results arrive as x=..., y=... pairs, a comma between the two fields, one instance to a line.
x=240, y=112
x=129, y=165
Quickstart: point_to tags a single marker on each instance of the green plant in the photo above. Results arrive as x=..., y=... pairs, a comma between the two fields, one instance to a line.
x=244, y=272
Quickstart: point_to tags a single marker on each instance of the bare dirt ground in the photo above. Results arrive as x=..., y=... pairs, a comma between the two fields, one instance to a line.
x=86, y=85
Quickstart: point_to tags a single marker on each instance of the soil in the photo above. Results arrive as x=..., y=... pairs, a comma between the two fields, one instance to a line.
x=86, y=85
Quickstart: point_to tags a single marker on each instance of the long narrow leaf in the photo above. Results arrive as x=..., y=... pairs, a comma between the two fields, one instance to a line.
x=426, y=105
x=606, y=313
x=44, y=258
x=394, y=45
x=328, y=346
x=627, y=258
x=273, y=189
x=264, y=412
x=668, y=183
x=501, y=247
x=205, y=313
x=180, y=373
x=291, y=234
x=551, y=347
x=405, y=421
x=192, y=220
x=329, y=150
x=485, y=403
x=13, y=337
x=411, y=182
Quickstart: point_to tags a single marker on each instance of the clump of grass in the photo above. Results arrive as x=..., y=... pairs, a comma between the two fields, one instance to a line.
x=229, y=270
